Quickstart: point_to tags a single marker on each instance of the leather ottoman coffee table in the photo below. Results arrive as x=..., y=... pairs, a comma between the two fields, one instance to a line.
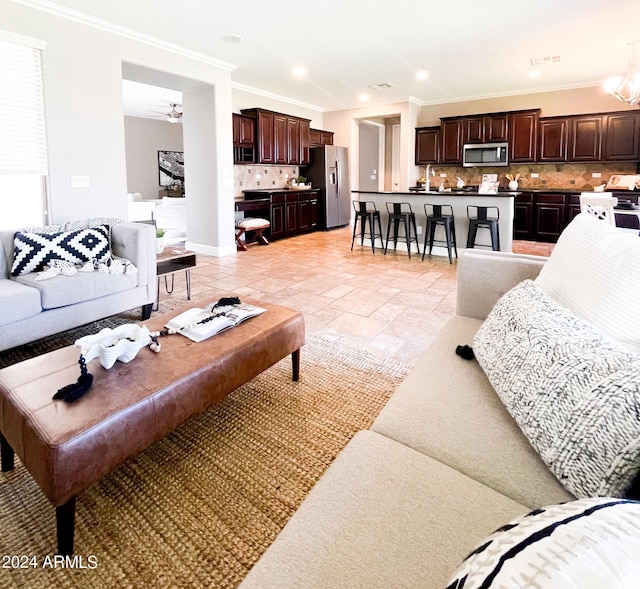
x=69, y=446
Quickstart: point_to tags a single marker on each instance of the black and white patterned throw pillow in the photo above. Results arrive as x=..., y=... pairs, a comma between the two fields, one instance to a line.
x=34, y=251
x=585, y=544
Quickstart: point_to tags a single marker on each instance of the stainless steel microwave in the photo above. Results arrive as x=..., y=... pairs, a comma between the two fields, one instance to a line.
x=485, y=154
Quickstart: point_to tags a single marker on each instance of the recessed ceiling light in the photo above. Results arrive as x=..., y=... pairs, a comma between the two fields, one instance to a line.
x=233, y=39
x=533, y=73
x=363, y=97
x=299, y=71
x=422, y=74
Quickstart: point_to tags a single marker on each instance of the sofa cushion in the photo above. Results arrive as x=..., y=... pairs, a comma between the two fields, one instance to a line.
x=17, y=301
x=573, y=392
x=61, y=291
x=446, y=408
x=594, y=271
x=33, y=251
x=383, y=515
x=584, y=544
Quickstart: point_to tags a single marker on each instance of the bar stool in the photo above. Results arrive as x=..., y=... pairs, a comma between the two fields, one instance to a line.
x=479, y=218
x=439, y=215
x=401, y=212
x=366, y=211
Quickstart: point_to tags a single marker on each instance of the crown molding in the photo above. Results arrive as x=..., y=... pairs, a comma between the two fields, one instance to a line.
x=103, y=25
x=273, y=96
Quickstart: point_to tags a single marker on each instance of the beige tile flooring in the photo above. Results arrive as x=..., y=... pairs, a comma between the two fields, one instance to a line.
x=387, y=304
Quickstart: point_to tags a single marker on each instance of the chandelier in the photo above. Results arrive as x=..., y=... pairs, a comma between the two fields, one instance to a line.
x=626, y=88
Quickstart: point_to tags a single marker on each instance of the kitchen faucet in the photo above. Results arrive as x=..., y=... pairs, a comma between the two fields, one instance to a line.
x=430, y=172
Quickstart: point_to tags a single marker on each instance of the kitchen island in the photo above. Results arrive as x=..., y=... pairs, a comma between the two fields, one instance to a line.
x=458, y=199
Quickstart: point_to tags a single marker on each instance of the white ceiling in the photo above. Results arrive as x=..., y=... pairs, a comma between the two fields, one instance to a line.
x=471, y=48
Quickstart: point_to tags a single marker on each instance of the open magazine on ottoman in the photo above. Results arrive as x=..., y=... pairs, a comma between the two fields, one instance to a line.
x=199, y=324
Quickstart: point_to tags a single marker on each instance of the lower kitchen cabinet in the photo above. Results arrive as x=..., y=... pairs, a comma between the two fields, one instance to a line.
x=549, y=216
x=292, y=212
x=523, y=217
x=540, y=216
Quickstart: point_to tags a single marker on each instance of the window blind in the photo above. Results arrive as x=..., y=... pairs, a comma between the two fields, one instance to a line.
x=23, y=144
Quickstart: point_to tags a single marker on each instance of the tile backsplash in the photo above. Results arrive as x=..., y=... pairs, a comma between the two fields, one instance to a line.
x=574, y=176
x=251, y=176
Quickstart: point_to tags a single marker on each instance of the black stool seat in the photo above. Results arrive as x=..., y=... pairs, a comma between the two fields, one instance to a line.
x=401, y=212
x=439, y=215
x=366, y=212
x=478, y=218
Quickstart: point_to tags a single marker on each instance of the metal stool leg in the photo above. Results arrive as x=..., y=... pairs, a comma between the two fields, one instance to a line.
x=380, y=228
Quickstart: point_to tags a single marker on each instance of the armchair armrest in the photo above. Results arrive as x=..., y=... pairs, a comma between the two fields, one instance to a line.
x=484, y=276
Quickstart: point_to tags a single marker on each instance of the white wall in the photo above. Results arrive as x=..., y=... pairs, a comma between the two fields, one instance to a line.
x=369, y=157
x=143, y=139
x=85, y=121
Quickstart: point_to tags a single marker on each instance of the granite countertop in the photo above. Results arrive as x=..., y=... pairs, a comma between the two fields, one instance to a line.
x=274, y=189
x=438, y=193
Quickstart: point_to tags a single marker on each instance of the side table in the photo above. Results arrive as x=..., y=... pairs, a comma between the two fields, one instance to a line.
x=170, y=261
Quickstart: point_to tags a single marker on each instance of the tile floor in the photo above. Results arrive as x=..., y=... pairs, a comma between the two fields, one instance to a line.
x=390, y=305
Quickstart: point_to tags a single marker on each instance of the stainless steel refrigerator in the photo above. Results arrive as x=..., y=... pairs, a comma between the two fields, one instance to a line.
x=329, y=171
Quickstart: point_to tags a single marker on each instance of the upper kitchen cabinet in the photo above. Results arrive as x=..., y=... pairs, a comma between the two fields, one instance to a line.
x=553, y=142
x=485, y=128
x=622, y=136
x=427, y=145
x=318, y=138
x=585, y=140
x=280, y=138
x=590, y=138
x=523, y=136
x=451, y=141
x=244, y=141
x=305, y=142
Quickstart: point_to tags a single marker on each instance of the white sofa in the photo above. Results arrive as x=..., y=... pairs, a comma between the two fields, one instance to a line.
x=31, y=309
x=445, y=463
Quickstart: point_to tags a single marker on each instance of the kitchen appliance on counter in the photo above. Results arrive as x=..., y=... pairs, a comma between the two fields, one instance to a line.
x=329, y=171
x=484, y=154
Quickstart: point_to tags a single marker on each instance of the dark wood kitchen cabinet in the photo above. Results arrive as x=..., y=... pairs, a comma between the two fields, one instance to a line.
x=305, y=154
x=585, y=142
x=451, y=141
x=280, y=138
x=549, y=216
x=291, y=212
x=317, y=138
x=427, y=145
x=622, y=135
x=523, y=216
x=523, y=136
x=554, y=137
x=485, y=128
x=244, y=141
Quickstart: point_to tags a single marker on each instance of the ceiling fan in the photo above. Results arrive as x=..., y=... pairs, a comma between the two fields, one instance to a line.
x=173, y=116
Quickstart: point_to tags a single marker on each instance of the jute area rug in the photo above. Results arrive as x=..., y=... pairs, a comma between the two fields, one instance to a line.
x=199, y=507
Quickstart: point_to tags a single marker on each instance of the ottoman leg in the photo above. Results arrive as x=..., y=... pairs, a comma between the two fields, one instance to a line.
x=6, y=454
x=295, y=363
x=65, y=523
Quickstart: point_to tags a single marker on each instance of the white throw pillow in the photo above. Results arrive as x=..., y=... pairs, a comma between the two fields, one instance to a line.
x=585, y=544
x=594, y=271
x=573, y=392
